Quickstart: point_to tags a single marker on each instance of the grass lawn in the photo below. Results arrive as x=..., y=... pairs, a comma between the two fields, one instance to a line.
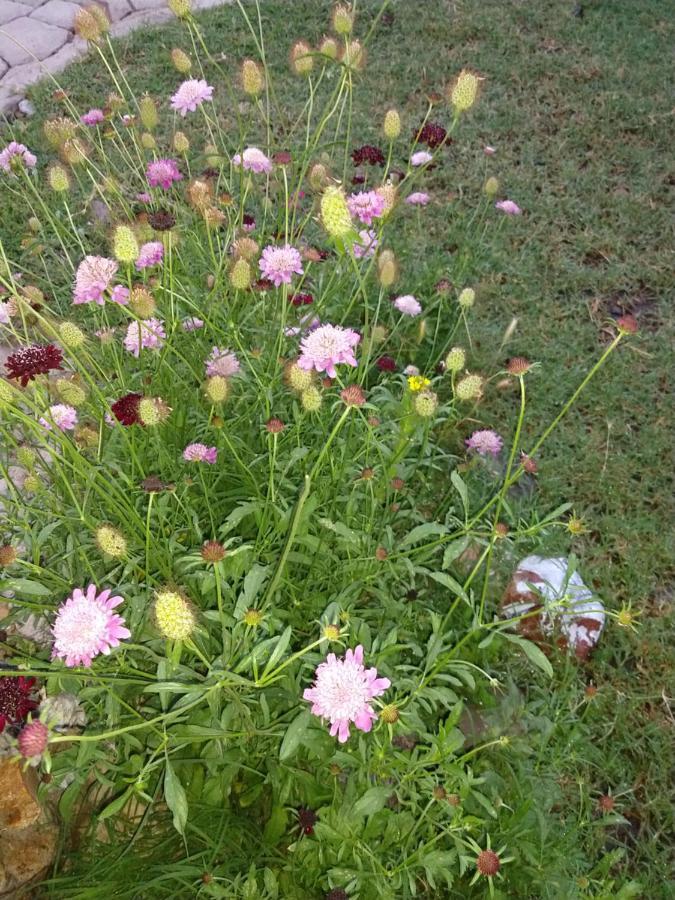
x=579, y=111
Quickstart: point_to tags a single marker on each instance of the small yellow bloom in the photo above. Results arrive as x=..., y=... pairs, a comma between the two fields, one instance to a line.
x=418, y=383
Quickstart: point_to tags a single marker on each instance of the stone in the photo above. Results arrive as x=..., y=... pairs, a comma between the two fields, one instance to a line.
x=146, y=17
x=57, y=12
x=117, y=9
x=9, y=10
x=26, y=108
x=3, y=67
x=18, y=804
x=24, y=39
x=69, y=53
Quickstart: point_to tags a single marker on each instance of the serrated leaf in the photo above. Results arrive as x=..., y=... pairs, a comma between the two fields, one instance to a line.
x=294, y=734
x=176, y=799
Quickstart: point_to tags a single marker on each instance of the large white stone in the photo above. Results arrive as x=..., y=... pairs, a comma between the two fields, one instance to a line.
x=56, y=12
x=10, y=10
x=24, y=40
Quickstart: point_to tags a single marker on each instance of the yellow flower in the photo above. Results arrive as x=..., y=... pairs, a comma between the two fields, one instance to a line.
x=418, y=383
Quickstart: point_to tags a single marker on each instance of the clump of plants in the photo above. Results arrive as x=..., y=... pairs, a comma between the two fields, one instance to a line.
x=253, y=503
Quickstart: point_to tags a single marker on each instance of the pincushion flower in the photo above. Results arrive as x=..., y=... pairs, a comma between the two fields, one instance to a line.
x=485, y=442
x=408, y=305
x=93, y=278
x=29, y=362
x=62, y=415
x=150, y=254
x=280, y=263
x=326, y=347
x=192, y=323
x=200, y=453
x=16, y=155
x=368, y=154
x=417, y=198
x=33, y=740
x=342, y=693
x=162, y=173
x=222, y=362
x=366, y=245
x=366, y=206
x=15, y=700
x=508, y=207
x=253, y=160
x=191, y=94
x=126, y=409
x=146, y=335
x=86, y=626
x=421, y=158
x=93, y=117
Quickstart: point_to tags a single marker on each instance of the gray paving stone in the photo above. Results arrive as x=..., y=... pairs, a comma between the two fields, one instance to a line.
x=56, y=12
x=117, y=9
x=33, y=3
x=10, y=10
x=147, y=4
x=145, y=17
x=3, y=67
x=24, y=39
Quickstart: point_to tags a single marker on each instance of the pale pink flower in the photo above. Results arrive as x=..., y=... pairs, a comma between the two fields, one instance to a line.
x=162, y=173
x=150, y=254
x=280, y=263
x=421, y=158
x=93, y=117
x=253, y=160
x=408, y=305
x=488, y=150
x=86, y=626
x=62, y=415
x=326, y=347
x=120, y=295
x=366, y=206
x=417, y=198
x=342, y=693
x=14, y=150
x=33, y=739
x=148, y=334
x=222, y=362
x=200, y=453
x=508, y=207
x=411, y=370
x=366, y=245
x=192, y=323
x=190, y=95
x=93, y=278
x=144, y=197
x=485, y=442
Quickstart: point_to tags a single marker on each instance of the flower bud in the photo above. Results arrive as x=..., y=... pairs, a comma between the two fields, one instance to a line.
x=125, y=245
x=335, y=213
x=392, y=124
x=253, y=618
x=174, y=615
x=111, y=541
x=181, y=61
x=302, y=62
x=491, y=186
x=464, y=91
x=389, y=714
x=217, y=389
x=455, y=360
x=252, y=78
x=240, y=275
x=148, y=112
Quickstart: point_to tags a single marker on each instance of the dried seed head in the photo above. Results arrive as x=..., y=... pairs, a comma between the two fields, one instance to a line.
x=466, y=298
x=354, y=56
x=342, y=19
x=464, y=91
x=111, y=541
x=217, y=389
x=241, y=274
x=390, y=195
x=125, y=245
x=180, y=8
x=329, y=48
x=318, y=176
x=469, y=388
x=71, y=336
x=200, y=194
x=488, y=863
x=425, y=404
x=153, y=411
x=181, y=61
x=245, y=248
x=8, y=556
x=252, y=78
x=302, y=62
x=311, y=399
x=86, y=25
x=298, y=379
x=392, y=124
x=455, y=360
x=142, y=303
x=59, y=181
x=334, y=212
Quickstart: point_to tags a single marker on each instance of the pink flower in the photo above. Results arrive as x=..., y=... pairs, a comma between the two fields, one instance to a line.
x=148, y=334
x=326, y=347
x=222, y=362
x=192, y=324
x=120, y=295
x=418, y=198
x=508, y=207
x=200, y=453
x=144, y=197
x=421, y=158
x=190, y=95
x=162, y=173
x=62, y=415
x=408, y=305
x=150, y=254
x=365, y=247
x=366, y=206
x=86, y=626
x=485, y=442
x=33, y=740
x=17, y=151
x=342, y=693
x=279, y=263
x=411, y=370
x=93, y=278
x=93, y=117
x=488, y=150
x=253, y=160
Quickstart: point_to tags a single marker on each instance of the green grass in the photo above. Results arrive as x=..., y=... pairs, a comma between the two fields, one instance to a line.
x=578, y=109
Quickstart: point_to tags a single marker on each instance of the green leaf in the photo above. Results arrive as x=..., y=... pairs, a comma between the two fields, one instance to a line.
x=279, y=650
x=372, y=801
x=23, y=587
x=454, y=550
x=176, y=800
x=294, y=734
x=532, y=652
x=449, y=582
x=460, y=487
x=275, y=828
x=426, y=529
x=116, y=805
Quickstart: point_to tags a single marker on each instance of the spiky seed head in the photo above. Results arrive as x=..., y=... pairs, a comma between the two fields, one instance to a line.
x=8, y=556
x=518, y=365
x=217, y=389
x=111, y=541
x=142, y=303
x=180, y=8
x=71, y=392
x=174, y=615
x=71, y=336
x=425, y=404
x=387, y=268
x=200, y=194
x=311, y=399
x=181, y=143
x=390, y=195
x=125, y=245
x=455, y=360
x=86, y=25
x=343, y=19
x=245, y=248
x=466, y=298
x=59, y=130
x=354, y=56
x=329, y=48
x=390, y=714
x=26, y=456
x=469, y=388
x=392, y=124
x=302, y=62
x=148, y=141
x=101, y=17
x=147, y=109
x=334, y=212
x=181, y=61
x=252, y=78
x=491, y=186
x=464, y=91
x=59, y=181
x=240, y=275
x=296, y=378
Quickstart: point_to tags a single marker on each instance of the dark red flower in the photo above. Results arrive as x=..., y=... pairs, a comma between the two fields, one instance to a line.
x=432, y=134
x=368, y=155
x=125, y=409
x=307, y=819
x=248, y=221
x=337, y=894
x=15, y=700
x=359, y=179
x=302, y=299
x=262, y=285
x=28, y=362
x=282, y=158
x=488, y=863
x=162, y=220
x=386, y=364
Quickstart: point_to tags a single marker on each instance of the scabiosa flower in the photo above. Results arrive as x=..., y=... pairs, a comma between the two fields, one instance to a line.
x=222, y=362
x=353, y=395
x=93, y=278
x=488, y=863
x=162, y=173
x=420, y=158
x=326, y=347
x=432, y=134
x=307, y=819
x=126, y=411
x=162, y=220
x=342, y=693
x=485, y=442
x=93, y=117
x=280, y=263
x=86, y=626
x=200, y=453
x=301, y=299
x=62, y=415
x=146, y=335
x=192, y=323
x=29, y=362
x=33, y=740
x=508, y=207
x=366, y=206
x=366, y=245
x=253, y=160
x=386, y=364
x=16, y=155
x=417, y=198
x=191, y=94
x=150, y=254
x=15, y=700
x=368, y=155
x=408, y=305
